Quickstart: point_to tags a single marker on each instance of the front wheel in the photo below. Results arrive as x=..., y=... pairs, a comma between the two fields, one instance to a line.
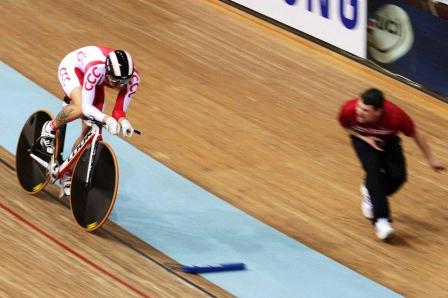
x=92, y=203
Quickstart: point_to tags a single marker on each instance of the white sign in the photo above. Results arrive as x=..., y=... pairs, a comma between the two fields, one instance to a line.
x=342, y=23
x=390, y=34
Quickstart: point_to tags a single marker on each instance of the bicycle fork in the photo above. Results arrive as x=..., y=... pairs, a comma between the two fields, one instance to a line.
x=88, y=182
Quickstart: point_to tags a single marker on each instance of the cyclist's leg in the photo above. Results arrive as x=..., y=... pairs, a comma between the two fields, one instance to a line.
x=71, y=80
x=99, y=104
x=71, y=111
x=66, y=180
x=75, y=109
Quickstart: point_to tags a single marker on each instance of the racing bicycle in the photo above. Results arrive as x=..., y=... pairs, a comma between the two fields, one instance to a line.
x=95, y=175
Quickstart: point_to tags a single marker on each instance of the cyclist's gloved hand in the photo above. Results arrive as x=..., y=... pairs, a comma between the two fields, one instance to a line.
x=126, y=128
x=112, y=125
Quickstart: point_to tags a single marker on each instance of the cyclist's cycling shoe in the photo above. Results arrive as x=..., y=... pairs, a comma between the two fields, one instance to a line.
x=66, y=184
x=47, y=138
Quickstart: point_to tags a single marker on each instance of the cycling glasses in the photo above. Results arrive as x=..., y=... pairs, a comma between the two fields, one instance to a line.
x=114, y=81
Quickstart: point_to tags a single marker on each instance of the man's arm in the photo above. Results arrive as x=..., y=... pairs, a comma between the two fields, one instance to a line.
x=371, y=140
x=355, y=133
x=420, y=139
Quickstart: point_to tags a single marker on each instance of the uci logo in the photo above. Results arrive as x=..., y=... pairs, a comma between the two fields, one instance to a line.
x=390, y=35
x=391, y=26
x=348, y=10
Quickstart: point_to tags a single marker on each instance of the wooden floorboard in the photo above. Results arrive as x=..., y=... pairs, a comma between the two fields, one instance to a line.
x=248, y=112
x=45, y=254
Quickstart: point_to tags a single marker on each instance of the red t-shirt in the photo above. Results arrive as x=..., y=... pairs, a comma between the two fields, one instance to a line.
x=392, y=121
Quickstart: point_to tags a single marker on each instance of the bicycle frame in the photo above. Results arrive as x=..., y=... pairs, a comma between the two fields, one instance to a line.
x=56, y=170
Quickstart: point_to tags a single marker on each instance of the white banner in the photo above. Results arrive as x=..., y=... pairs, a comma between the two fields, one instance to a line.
x=342, y=23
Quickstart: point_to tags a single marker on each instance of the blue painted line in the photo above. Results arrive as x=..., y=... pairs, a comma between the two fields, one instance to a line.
x=191, y=225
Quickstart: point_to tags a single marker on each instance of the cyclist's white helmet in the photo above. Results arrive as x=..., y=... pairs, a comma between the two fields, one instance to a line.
x=119, y=66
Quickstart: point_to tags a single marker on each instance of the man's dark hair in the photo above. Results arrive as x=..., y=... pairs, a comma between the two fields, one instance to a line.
x=373, y=97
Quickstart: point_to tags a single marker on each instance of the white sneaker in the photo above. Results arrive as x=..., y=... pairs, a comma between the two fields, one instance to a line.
x=66, y=184
x=47, y=138
x=383, y=228
x=366, y=204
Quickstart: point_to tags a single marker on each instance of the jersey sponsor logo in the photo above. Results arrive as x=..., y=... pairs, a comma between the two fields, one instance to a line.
x=81, y=56
x=92, y=79
x=64, y=75
x=133, y=87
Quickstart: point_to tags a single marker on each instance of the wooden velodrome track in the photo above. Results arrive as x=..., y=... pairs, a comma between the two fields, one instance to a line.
x=241, y=108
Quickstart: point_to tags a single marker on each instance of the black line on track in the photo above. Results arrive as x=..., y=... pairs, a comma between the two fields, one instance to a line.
x=7, y=165
x=143, y=254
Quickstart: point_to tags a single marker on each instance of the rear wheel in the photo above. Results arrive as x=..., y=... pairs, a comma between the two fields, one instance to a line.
x=32, y=176
x=92, y=204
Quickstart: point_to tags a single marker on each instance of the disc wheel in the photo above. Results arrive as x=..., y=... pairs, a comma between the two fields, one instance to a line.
x=92, y=204
x=31, y=175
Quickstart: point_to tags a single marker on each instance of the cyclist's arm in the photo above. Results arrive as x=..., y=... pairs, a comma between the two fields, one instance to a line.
x=124, y=97
x=92, y=78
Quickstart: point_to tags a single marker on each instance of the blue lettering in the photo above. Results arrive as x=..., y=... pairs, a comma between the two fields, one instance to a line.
x=324, y=8
x=349, y=23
